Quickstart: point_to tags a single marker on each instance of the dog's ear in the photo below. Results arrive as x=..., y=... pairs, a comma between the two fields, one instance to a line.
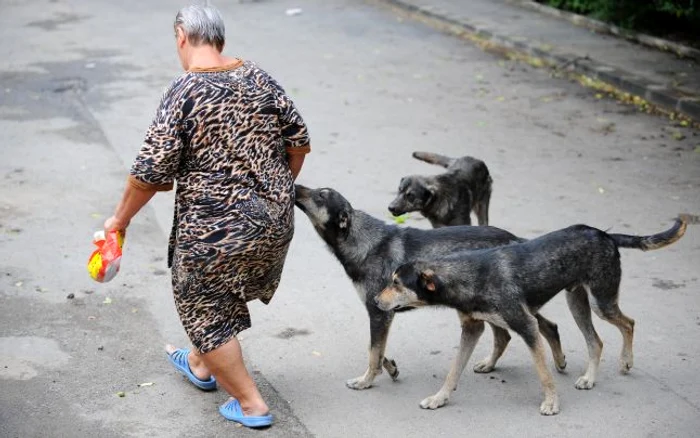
x=344, y=223
x=427, y=279
x=430, y=190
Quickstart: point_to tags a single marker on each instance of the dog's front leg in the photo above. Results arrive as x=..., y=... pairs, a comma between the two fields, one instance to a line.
x=379, y=324
x=471, y=332
x=531, y=335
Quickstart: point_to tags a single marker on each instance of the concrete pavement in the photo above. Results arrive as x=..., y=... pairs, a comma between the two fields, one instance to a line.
x=81, y=81
x=657, y=76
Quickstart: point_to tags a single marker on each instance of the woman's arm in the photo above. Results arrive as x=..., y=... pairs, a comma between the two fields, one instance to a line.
x=133, y=199
x=295, y=163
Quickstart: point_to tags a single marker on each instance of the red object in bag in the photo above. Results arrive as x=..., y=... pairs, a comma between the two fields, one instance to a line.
x=104, y=262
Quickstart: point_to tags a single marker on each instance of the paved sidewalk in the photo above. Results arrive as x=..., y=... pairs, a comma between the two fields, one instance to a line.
x=659, y=77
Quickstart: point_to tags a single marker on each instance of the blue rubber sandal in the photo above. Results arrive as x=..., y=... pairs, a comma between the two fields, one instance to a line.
x=231, y=410
x=179, y=360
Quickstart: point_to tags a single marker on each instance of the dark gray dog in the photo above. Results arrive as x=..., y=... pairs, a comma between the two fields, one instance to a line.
x=370, y=250
x=447, y=198
x=507, y=286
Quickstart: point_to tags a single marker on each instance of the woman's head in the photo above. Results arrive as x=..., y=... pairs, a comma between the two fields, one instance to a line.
x=196, y=26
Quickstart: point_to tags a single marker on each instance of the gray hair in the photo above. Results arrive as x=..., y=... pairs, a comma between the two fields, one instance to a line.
x=202, y=25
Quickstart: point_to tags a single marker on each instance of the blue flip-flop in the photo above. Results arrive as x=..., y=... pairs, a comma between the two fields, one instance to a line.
x=179, y=360
x=231, y=410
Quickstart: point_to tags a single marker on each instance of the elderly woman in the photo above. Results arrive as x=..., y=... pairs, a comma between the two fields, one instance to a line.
x=233, y=141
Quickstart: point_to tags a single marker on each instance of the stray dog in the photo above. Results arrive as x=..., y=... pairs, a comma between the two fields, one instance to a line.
x=506, y=286
x=370, y=250
x=447, y=198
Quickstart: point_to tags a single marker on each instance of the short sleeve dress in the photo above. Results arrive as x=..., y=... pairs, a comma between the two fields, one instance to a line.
x=224, y=136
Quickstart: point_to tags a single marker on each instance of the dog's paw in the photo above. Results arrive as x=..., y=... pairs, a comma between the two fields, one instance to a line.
x=358, y=383
x=626, y=364
x=434, y=401
x=391, y=368
x=485, y=366
x=549, y=407
x=584, y=382
x=560, y=365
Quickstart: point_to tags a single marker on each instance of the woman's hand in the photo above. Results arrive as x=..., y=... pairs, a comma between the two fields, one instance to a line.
x=114, y=223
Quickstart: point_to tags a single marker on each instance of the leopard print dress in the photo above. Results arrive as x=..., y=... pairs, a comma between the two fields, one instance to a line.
x=223, y=135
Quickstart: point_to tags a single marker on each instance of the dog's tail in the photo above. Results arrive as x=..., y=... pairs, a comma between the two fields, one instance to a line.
x=429, y=157
x=655, y=241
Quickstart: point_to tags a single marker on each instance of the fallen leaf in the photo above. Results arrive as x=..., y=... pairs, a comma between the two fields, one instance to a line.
x=481, y=124
x=678, y=136
x=121, y=394
x=19, y=283
x=598, y=96
x=107, y=300
x=684, y=123
x=140, y=385
x=500, y=98
x=134, y=310
x=601, y=190
x=315, y=353
x=95, y=215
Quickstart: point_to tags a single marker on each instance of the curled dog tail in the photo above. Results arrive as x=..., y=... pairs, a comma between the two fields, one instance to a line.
x=429, y=157
x=655, y=241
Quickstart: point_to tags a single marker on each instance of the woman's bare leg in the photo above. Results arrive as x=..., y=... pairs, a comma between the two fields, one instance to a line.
x=226, y=363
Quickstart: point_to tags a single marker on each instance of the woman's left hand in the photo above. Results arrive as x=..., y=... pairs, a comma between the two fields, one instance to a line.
x=114, y=223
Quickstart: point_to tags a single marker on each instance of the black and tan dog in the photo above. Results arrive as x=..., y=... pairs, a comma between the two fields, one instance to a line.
x=507, y=286
x=448, y=198
x=370, y=250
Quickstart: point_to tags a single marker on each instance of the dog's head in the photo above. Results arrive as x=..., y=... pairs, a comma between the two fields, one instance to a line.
x=329, y=212
x=413, y=284
x=415, y=194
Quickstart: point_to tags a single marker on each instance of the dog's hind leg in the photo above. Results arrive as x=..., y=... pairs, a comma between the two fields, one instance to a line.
x=530, y=333
x=501, y=337
x=379, y=324
x=481, y=208
x=550, y=331
x=606, y=307
x=577, y=299
x=471, y=332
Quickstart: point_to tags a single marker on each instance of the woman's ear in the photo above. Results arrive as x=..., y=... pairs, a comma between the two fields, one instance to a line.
x=180, y=37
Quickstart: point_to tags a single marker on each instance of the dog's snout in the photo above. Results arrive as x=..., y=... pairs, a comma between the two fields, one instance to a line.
x=300, y=191
x=396, y=208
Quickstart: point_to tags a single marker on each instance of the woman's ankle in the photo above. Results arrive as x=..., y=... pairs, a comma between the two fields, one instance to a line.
x=197, y=366
x=254, y=407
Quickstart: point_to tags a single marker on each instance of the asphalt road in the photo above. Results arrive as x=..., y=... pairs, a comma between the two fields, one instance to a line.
x=79, y=83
